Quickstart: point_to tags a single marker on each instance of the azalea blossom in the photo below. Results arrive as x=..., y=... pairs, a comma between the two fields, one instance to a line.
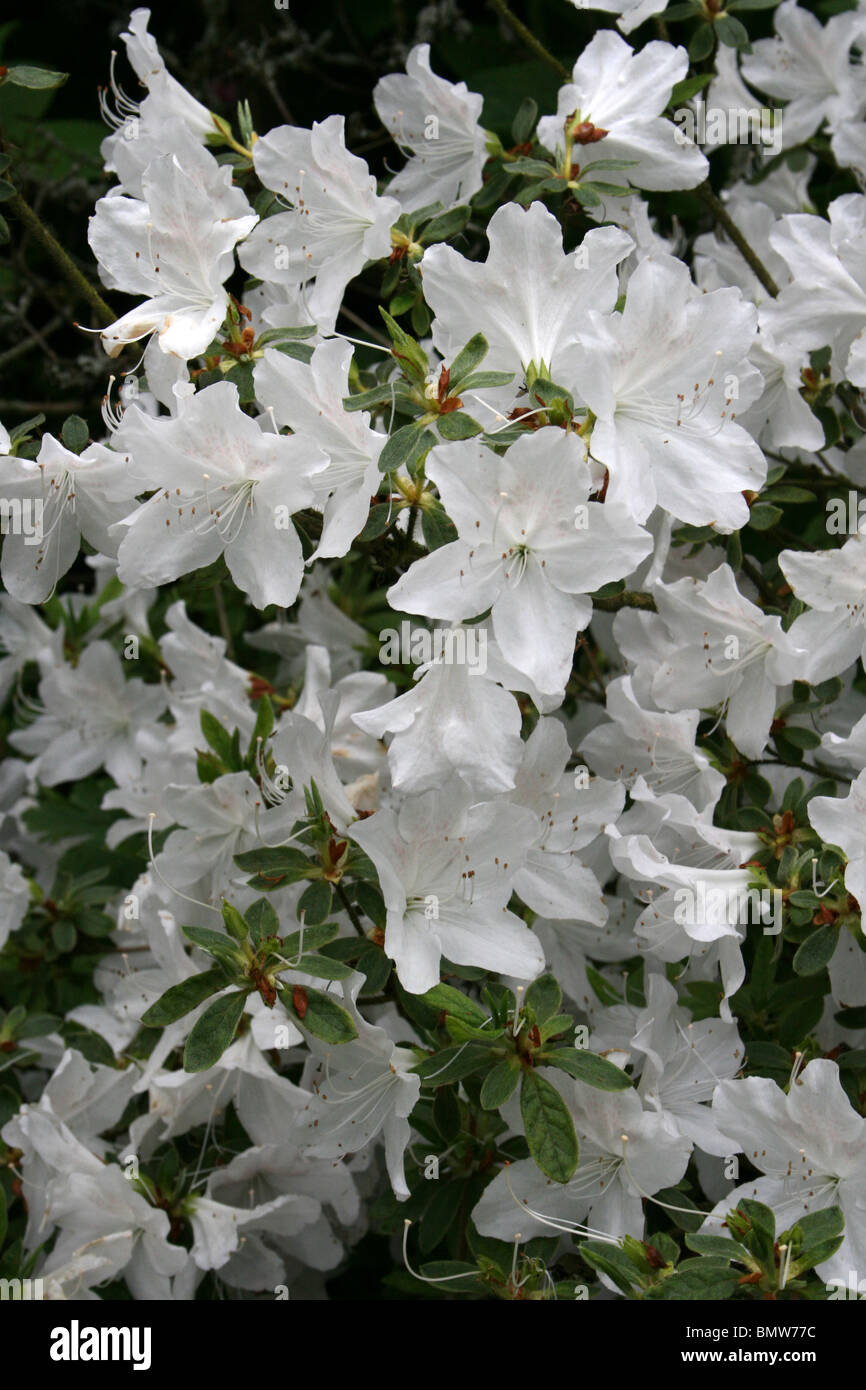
x=446, y=868
x=612, y=109
x=335, y=221
x=447, y=152
x=224, y=486
x=665, y=380
x=530, y=547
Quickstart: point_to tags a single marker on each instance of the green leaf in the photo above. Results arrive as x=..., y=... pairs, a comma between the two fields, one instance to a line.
x=180, y=999
x=701, y=43
x=234, y=922
x=377, y=522
x=718, y=1245
x=75, y=434
x=458, y=425
x=525, y=121
x=405, y=446
x=217, y=944
x=763, y=515
x=315, y=903
x=436, y=525
x=452, y=1064
x=701, y=1283
x=441, y=1211
x=679, y=1208
x=690, y=86
x=412, y=358
x=500, y=1083
x=544, y=998
x=466, y=361
x=37, y=1026
x=445, y=226
x=323, y=1017
x=454, y=1002
x=446, y=1113
x=262, y=921
x=214, y=1031
x=323, y=967
x=274, y=868
x=21, y=75
x=587, y=1066
x=733, y=33
x=218, y=739
x=390, y=393
x=549, y=1128
x=477, y=380
x=64, y=935
x=816, y=951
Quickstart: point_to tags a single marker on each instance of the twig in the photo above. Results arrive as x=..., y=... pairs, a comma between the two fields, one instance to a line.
x=629, y=598
x=532, y=43
x=721, y=214
x=353, y=916
x=34, y=224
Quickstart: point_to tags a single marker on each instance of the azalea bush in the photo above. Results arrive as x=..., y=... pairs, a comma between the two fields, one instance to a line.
x=434, y=810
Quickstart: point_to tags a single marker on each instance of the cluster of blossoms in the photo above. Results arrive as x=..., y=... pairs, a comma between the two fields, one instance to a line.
x=509, y=884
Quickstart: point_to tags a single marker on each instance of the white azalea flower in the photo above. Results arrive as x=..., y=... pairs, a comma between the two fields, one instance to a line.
x=225, y=486
x=531, y=547
x=446, y=868
x=613, y=108
x=336, y=221
x=448, y=153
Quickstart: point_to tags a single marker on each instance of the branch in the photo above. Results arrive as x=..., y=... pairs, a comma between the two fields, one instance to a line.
x=721, y=214
x=532, y=43
x=34, y=224
x=629, y=598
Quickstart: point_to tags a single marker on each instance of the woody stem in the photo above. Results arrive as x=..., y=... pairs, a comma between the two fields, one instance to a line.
x=722, y=216
x=528, y=38
x=36, y=226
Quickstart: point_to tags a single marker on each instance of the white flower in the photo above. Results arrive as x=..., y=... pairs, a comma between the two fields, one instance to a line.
x=456, y=719
x=622, y=94
x=842, y=821
x=728, y=652
x=336, y=221
x=554, y=881
x=626, y=1152
x=362, y=1088
x=665, y=380
x=531, y=547
x=825, y=299
x=175, y=245
x=91, y=714
x=656, y=746
x=309, y=399
x=62, y=496
x=684, y=1063
x=437, y=122
x=225, y=486
x=631, y=12
x=528, y=298
x=14, y=897
x=446, y=868
x=833, y=583
x=811, y=1146
x=810, y=66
